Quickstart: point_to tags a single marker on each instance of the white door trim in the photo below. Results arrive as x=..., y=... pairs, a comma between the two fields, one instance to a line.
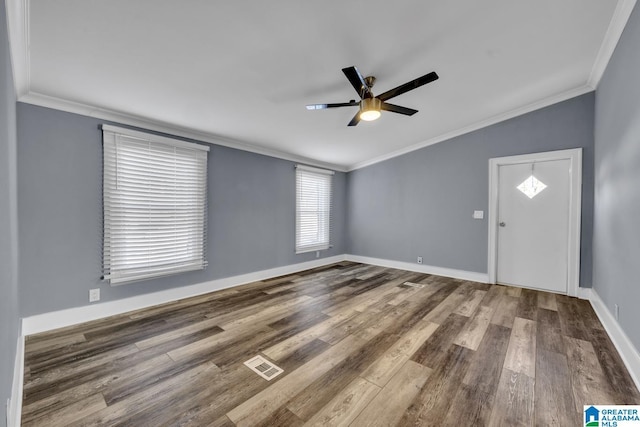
x=575, y=194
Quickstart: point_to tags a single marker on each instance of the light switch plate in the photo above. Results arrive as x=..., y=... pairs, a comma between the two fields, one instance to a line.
x=478, y=214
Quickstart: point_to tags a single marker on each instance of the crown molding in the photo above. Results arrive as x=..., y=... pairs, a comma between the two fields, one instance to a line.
x=563, y=96
x=18, y=29
x=42, y=100
x=616, y=27
x=47, y=101
x=18, y=26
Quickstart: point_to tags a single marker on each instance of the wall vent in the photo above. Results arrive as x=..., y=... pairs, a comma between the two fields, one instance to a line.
x=263, y=367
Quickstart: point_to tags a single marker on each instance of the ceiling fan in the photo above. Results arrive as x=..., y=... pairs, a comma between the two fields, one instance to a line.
x=370, y=106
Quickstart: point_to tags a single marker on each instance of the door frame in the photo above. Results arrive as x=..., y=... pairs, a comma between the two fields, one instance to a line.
x=575, y=209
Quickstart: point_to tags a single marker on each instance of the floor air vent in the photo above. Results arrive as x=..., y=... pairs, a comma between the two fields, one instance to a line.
x=414, y=285
x=263, y=367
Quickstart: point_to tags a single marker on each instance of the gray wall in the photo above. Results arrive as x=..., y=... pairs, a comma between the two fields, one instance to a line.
x=9, y=325
x=251, y=214
x=616, y=233
x=420, y=204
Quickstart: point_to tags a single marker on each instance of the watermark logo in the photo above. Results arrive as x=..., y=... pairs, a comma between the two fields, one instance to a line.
x=592, y=417
x=611, y=415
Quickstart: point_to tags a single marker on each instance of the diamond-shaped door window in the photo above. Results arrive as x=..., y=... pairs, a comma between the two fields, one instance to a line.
x=531, y=187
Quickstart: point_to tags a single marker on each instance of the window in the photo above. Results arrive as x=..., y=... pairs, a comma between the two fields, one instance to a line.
x=154, y=205
x=313, y=208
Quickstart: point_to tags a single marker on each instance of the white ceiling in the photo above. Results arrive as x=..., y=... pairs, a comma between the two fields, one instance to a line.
x=242, y=71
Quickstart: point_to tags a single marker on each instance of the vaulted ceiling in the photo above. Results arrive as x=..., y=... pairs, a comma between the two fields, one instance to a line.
x=241, y=72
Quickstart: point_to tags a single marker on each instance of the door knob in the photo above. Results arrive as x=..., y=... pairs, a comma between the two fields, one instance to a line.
x=503, y=224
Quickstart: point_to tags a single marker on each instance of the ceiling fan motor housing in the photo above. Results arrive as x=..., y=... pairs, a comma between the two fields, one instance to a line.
x=370, y=81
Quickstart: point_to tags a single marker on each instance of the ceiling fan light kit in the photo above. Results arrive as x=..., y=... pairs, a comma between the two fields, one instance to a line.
x=370, y=106
x=370, y=109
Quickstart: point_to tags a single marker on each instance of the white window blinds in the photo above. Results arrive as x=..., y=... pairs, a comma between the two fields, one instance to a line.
x=313, y=208
x=154, y=205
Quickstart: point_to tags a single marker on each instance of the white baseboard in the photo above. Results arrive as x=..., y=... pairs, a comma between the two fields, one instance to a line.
x=49, y=321
x=628, y=352
x=584, y=293
x=421, y=268
x=72, y=316
x=14, y=411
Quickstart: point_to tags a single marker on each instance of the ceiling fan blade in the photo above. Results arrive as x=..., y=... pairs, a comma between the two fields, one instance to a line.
x=397, y=109
x=335, y=105
x=420, y=81
x=355, y=120
x=357, y=81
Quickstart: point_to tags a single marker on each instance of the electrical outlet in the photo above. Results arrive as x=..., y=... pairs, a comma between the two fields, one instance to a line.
x=419, y=260
x=94, y=295
x=317, y=254
x=617, y=311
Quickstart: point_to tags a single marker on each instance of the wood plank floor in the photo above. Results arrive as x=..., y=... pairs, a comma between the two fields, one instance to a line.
x=358, y=347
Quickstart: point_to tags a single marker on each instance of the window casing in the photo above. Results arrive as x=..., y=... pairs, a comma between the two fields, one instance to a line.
x=154, y=205
x=313, y=208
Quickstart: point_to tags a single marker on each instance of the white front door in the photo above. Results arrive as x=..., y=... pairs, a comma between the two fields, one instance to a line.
x=533, y=224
